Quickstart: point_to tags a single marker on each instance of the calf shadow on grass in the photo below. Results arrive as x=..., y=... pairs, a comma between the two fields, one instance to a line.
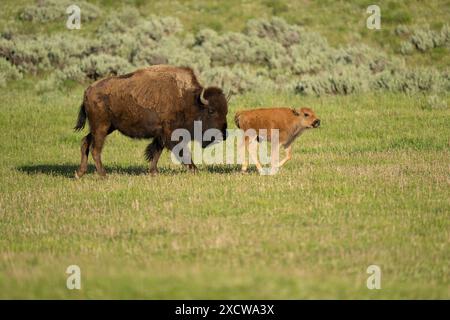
x=226, y=169
x=68, y=170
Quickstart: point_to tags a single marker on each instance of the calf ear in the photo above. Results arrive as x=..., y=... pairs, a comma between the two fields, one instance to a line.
x=295, y=112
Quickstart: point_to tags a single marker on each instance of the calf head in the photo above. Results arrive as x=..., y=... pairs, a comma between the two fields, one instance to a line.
x=308, y=118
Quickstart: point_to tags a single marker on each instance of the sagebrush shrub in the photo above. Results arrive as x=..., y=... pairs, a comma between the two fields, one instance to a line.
x=435, y=102
x=73, y=72
x=406, y=48
x=424, y=39
x=51, y=10
x=411, y=81
x=28, y=54
x=275, y=29
x=342, y=80
x=237, y=79
x=402, y=30
x=158, y=27
x=101, y=65
x=268, y=55
x=8, y=72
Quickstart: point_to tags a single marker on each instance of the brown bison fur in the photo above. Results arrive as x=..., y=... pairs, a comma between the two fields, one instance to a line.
x=290, y=123
x=148, y=103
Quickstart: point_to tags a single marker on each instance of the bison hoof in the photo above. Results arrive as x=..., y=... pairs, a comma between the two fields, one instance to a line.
x=102, y=174
x=78, y=175
x=153, y=172
x=192, y=168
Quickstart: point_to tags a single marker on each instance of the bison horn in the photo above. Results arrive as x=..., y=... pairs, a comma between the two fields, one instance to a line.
x=202, y=98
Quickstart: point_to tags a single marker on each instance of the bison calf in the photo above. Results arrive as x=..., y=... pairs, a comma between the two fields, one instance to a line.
x=289, y=122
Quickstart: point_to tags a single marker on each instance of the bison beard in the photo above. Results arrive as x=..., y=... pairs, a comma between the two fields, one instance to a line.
x=148, y=103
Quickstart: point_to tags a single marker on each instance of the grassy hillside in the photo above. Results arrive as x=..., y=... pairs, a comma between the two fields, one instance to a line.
x=341, y=22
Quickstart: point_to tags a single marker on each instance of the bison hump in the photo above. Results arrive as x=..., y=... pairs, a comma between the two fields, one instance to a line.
x=159, y=92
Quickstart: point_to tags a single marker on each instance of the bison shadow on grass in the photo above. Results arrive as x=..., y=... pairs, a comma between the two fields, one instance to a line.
x=67, y=170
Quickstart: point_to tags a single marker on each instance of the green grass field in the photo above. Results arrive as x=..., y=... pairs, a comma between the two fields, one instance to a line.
x=371, y=186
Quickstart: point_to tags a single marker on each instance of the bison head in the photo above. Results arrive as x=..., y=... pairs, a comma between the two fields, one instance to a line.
x=213, y=112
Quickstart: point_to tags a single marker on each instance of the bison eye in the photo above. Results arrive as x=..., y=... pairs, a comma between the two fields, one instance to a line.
x=210, y=111
x=306, y=115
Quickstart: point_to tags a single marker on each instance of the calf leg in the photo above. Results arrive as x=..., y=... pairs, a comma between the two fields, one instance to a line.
x=275, y=150
x=242, y=152
x=152, y=153
x=85, y=145
x=253, y=154
x=288, y=156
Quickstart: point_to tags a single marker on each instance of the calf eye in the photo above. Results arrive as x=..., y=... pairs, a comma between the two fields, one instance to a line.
x=306, y=115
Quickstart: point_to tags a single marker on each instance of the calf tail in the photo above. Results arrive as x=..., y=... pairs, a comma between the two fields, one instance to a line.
x=81, y=121
x=236, y=118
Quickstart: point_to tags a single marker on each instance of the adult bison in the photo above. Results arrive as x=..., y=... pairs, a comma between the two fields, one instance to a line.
x=148, y=103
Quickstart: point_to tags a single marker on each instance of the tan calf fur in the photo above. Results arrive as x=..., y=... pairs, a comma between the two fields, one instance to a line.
x=289, y=121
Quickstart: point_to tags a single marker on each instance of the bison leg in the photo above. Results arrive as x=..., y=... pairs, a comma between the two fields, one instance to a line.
x=85, y=144
x=190, y=164
x=97, y=145
x=288, y=156
x=184, y=156
x=152, y=154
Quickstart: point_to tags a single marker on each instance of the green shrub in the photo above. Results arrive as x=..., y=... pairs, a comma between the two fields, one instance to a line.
x=269, y=55
x=342, y=81
x=122, y=45
x=402, y=30
x=101, y=65
x=72, y=72
x=51, y=10
x=36, y=53
x=434, y=102
x=424, y=39
x=157, y=27
x=27, y=54
x=49, y=84
x=237, y=79
x=64, y=49
x=412, y=81
x=406, y=48
x=275, y=29
x=8, y=72
x=445, y=35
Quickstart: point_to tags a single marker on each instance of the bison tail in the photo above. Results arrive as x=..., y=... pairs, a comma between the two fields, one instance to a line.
x=236, y=119
x=81, y=121
x=153, y=148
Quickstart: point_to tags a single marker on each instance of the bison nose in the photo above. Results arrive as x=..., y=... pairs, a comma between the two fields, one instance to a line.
x=224, y=132
x=316, y=123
